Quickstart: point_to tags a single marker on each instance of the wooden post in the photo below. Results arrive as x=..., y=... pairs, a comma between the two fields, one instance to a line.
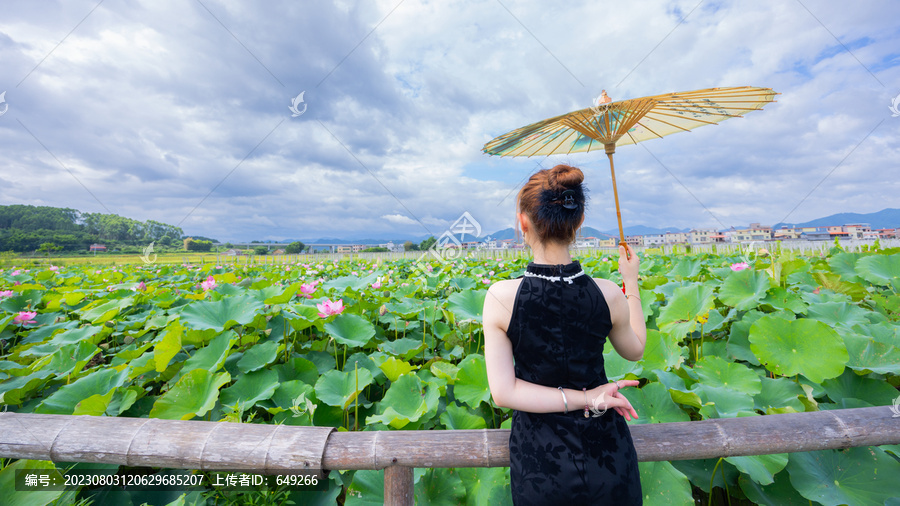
x=398, y=486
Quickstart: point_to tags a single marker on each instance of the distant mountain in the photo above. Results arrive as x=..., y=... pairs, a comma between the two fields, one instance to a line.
x=886, y=218
x=335, y=240
x=642, y=230
x=510, y=233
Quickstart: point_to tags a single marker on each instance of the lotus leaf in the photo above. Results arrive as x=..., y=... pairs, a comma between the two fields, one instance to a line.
x=393, y=368
x=471, y=385
x=486, y=485
x=617, y=367
x=18, y=388
x=405, y=348
x=258, y=357
x=664, y=485
x=761, y=468
x=340, y=388
x=350, y=330
x=881, y=270
x=168, y=345
x=440, y=487
x=654, y=405
x=779, y=493
x=64, y=400
x=851, y=385
x=193, y=395
x=722, y=402
x=72, y=358
x=220, y=315
x=807, y=347
x=467, y=304
x=249, y=389
x=781, y=299
x=715, y=371
x=211, y=357
x=679, y=316
x=366, y=489
x=744, y=289
x=779, y=393
x=404, y=403
x=14, y=497
x=862, y=475
x=460, y=417
x=838, y=314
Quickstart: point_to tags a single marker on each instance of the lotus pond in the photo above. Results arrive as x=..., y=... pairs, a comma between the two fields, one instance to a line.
x=397, y=345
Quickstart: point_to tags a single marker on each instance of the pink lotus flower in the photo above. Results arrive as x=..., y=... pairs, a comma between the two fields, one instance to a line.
x=16, y=272
x=485, y=280
x=329, y=308
x=139, y=287
x=376, y=285
x=6, y=293
x=307, y=289
x=54, y=268
x=209, y=284
x=25, y=317
x=740, y=266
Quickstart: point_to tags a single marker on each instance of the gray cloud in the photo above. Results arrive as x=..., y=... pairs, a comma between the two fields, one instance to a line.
x=152, y=104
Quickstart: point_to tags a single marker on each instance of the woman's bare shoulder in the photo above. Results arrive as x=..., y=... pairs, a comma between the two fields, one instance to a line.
x=498, y=302
x=505, y=289
x=609, y=289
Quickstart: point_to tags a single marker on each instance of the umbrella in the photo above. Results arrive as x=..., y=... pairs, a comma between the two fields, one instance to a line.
x=609, y=123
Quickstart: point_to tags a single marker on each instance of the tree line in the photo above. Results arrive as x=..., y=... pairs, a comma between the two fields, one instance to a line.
x=26, y=228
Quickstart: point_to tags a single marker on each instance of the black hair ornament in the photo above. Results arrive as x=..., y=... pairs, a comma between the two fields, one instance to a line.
x=560, y=209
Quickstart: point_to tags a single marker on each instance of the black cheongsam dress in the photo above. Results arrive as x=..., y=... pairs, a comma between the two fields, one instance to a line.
x=558, y=327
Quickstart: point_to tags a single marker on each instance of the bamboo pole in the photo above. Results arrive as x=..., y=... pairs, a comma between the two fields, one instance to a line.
x=399, y=487
x=218, y=445
x=610, y=149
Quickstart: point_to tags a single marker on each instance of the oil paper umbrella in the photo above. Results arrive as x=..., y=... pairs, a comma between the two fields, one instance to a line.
x=608, y=124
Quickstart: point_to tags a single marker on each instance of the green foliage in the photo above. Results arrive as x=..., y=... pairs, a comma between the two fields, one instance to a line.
x=294, y=248
x=29, y=228
x=790, y=334
x=427, y=243
x=191, y=244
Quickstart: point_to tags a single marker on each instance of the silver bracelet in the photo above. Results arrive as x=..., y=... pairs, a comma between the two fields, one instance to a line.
x=633, y=295
x=565, y=402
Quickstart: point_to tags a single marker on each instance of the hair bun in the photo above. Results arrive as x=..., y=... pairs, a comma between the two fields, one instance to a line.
x=565, y=176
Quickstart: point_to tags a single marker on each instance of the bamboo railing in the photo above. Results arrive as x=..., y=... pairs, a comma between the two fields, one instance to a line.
x=211, y=446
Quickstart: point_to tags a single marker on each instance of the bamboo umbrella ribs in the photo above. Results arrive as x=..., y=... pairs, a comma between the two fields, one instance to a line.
x=608, y=124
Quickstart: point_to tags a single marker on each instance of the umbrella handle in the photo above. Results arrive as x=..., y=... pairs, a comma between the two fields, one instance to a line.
x=627, y=255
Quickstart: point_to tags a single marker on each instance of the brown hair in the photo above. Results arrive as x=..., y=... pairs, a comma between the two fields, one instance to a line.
x=554, y=202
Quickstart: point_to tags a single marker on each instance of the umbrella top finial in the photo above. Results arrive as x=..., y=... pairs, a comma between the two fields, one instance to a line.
x=603, y=98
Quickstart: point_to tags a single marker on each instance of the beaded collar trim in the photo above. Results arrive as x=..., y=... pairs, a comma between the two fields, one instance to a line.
x=567, y=279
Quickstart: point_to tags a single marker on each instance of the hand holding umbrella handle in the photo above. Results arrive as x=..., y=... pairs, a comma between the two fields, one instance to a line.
x=628, y=264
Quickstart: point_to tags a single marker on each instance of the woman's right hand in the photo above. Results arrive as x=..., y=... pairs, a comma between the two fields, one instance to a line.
x=608, y=396
x=629, y=263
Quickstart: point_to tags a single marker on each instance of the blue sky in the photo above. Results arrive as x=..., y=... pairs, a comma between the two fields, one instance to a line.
x=178, y=111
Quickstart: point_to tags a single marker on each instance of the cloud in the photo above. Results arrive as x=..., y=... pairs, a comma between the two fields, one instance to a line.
x=178, y=112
